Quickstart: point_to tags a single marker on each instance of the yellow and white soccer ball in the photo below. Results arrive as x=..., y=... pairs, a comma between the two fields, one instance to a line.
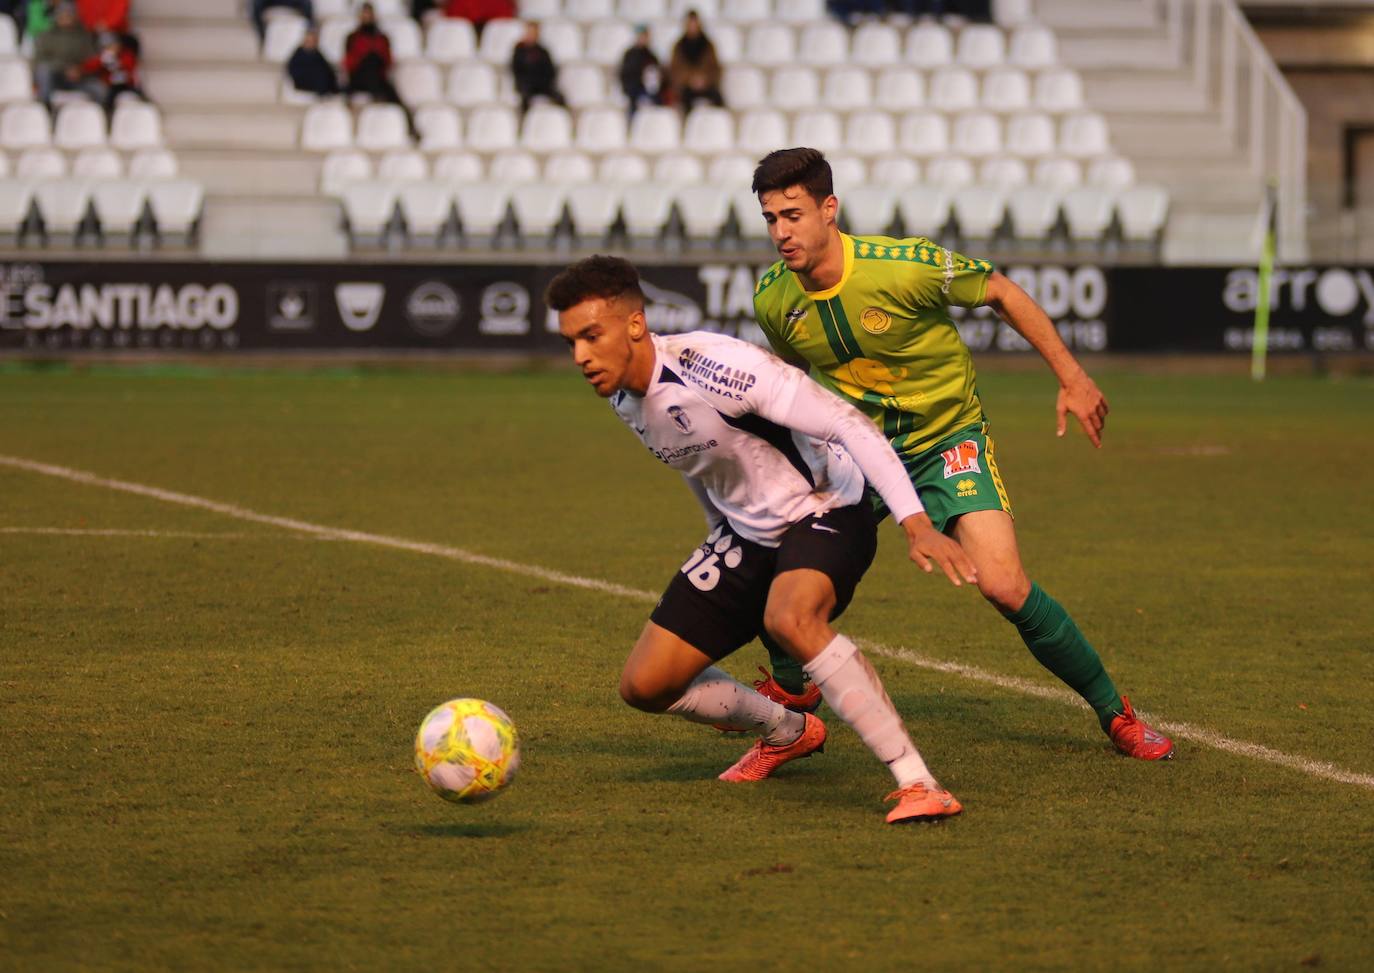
x=467, y=750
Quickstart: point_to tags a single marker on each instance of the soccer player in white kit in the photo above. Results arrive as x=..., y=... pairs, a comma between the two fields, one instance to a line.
x=779, y=466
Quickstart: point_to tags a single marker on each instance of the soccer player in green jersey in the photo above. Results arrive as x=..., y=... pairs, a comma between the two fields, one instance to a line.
x=869, y=316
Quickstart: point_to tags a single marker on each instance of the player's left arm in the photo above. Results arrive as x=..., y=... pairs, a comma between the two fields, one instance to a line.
x=1078, y=393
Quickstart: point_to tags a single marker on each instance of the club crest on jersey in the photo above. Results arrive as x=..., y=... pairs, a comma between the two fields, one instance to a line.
x=680, y=419
x=961, y=459
x=795, y=315
x=875, y=320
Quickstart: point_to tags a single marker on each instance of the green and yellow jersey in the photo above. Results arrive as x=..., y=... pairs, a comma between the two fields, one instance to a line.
x=882, y=337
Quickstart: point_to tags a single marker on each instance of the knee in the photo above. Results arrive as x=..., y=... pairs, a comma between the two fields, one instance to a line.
x=643, y=694
x=794, y=630
x=1007, y=591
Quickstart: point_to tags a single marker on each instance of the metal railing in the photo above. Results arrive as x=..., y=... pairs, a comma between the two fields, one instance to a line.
x=1259, y=111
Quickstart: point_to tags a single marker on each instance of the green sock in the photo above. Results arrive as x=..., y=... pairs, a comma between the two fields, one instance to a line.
x=1060, y=647
x=787, y=671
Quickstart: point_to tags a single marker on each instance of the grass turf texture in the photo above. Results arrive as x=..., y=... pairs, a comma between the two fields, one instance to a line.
x=206, y=742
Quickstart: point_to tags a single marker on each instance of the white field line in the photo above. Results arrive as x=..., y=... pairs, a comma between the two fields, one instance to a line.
x=1181, y=731
x=128, y=532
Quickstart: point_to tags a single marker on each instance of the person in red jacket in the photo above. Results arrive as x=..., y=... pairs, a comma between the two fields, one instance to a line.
x=102, y=15
x=479, y=11
x=112, y=71
x=367, y=62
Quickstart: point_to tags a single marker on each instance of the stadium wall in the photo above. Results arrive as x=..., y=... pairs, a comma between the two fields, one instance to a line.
x=59, y=307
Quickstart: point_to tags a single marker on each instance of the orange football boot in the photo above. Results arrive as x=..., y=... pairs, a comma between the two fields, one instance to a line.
x=1136, y=738
x=917, y=802
x=760, y=760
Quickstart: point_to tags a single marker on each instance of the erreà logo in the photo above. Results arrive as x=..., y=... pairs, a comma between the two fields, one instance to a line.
x=360, y=304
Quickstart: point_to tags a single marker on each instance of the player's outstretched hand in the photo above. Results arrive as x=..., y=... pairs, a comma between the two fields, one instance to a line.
x=927, y=545
x=1085, y=401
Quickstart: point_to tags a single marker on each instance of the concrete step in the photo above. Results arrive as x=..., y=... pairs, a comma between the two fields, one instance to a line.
x=1208, y=237
x=250, y=173
x=1114, y=90
x=204, y=41
x=208, y=86
x=266, y=227
x=146, y=10
x=1097, y=13
x=1182, y=137
x=270, y=127
x=1145, y=50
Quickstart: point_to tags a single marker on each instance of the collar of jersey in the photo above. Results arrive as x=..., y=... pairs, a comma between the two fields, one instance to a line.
x=847, y=242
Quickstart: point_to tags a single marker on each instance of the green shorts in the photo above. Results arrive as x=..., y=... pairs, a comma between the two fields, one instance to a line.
x=956, y=476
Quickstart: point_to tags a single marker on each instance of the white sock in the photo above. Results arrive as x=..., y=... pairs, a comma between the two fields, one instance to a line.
x=714, y=697
x=854, y=691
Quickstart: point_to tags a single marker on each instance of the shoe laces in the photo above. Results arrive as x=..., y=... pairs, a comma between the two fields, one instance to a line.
x=902, y=792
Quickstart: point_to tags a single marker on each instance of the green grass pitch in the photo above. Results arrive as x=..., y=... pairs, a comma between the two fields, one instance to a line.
x=205, y=729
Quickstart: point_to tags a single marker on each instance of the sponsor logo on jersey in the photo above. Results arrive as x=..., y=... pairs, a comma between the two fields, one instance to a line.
x=967, y=488
x=360, y=304
x=668, y=455
x=680, y=418
x=715, y=376
x=875, y=320
x=795, y=315
x=961, y=459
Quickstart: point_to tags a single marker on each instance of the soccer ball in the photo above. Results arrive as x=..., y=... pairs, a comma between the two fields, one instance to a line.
x=467, y=750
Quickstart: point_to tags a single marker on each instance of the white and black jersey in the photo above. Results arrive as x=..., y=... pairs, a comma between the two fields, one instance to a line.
x=762, y=445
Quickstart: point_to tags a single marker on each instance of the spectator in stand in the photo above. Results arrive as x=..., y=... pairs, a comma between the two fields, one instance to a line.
x=367, y=62
x=694, y=71
x=479, y=11
x=309, y=70
x=303, y=7
x=38, y=16
x=534, y=70
x=102, y=15
x=641, y=76
x=112, y=71
x=59, y=53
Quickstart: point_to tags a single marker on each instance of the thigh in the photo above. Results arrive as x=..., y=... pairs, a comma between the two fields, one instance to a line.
x=838, y=544
x=715, y=601
x=988, y=537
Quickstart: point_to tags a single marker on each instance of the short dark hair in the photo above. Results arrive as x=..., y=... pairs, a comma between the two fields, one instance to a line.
x=608, y=278
x=795, y=167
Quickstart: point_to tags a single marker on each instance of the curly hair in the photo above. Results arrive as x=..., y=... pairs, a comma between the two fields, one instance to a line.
x=608, y=278
x=795, y=167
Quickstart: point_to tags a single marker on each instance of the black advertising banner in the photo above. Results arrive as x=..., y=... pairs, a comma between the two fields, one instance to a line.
x=55, y=307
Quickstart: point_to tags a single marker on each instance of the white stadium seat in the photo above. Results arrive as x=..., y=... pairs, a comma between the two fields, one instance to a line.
x=819, y=130
x=473, y=84
x=848, y=172
x=678, y=170
x=593, y=208
x=441, y=128
x=455, y=167
x=1112, y=172
x=1006, y=90
x=950, y=172
x=954, y=90
x=98, y=164
x=623, y=169
x=175, y=204
x=583, y=85
x=977, y=135
x=4, y=166
x=546, y=129
x=744, y=87
x=514, y=168
x=606, y=41
x=24, y=125
x=450, y=40
x=871, y=133
x=333, y=33
x=1057, y=174
x=368, y=208
x=981, y=47
x=645, y=209
x=1004, y=174
x=704, y=210
x=848, y=89
x=577, y=9
x=387, y=9
x=929, y=45
x=407, y=41
x=1034, y=210
x=729, y=42
x=924, y=210
x=868, y=210
x=979, y=211
x=563, y=38
x=149, y=164
x=16, y=81
x=709, y=10
x=795, y=88
x=770, y=44
x=709, y=131
x=761, y=131
x=9, y=39
x=1033, y=47
x=569, y=167
x=419, y=82
x=41, y=163
x=601, y=130
x=924, y=134
x=79, y=125
x=289, y=94
x=655, y=129
x=1010, y=13
x=750, y=11
x=62, y=204
x=823, y=43
x=118, y=205
x=541, y=9
x=730, y=170
x=1088, y=213
x=1030, y=135
x=426, y=208
x=896, y=172
x=481, y=207
x=381, y=127
x=875, y=45
x=16, y=200
x=403, y=165
x=1143, y=211
x=343, y=168
x=1059, y=90
x=641, y=11
x=282, y=37
x=499, y=38
x=748, y=216
x=135, y=125
x=492, y=129
x=900, y=89
x=323, y=9
x=798, y=11
x=1084, y=135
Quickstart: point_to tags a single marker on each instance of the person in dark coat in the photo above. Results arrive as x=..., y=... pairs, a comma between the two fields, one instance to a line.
x=310, y=70
x=367, y=62
x=534, y=70
x=641, y=75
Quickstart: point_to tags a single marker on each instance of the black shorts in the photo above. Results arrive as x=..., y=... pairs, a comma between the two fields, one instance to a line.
x=715, y=602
